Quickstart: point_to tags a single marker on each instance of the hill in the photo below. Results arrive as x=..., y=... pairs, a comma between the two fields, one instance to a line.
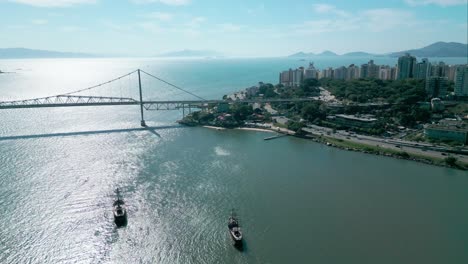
x=22, y=53
x=358, y=54
x=191, y=53
x=438, y=49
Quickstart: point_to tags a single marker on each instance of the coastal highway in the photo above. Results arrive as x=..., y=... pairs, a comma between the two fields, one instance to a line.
x=393, y=144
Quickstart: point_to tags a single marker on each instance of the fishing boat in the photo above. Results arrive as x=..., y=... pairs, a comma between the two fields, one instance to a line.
x=235, y=230
x=120, y=211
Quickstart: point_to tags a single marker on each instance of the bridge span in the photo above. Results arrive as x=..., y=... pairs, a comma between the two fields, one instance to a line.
x=73, y=100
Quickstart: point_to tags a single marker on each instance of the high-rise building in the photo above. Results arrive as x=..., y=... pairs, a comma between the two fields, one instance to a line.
x=352, y=72
x=373, y=70
x=452, y=72
x=461, y=81
x=327, y=73
x=311, y=72
x=285, y=77
x=436, y=86
x=340, y=73
x=439, y=70
x=393, y=72
x=422, y=69
x=364, y=71
x=385, y=73
x=297, y=76
x=406, y=66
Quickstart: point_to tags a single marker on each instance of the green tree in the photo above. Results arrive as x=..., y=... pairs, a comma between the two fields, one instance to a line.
x=452, y=161
x=241, y=112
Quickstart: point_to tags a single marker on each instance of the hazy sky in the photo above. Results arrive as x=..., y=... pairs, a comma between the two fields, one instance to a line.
x=236, y=28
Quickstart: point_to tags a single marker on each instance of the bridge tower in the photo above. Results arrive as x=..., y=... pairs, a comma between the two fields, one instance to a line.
x=143, y=123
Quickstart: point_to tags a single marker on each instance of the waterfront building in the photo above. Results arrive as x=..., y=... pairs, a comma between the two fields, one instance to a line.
x=292, y=77
x=297, y=76
x=436, y=86
x=406, y=66
x=364, y=121
x=457, y=133
x=461, y=81
x=422, y=69
x=285, y=77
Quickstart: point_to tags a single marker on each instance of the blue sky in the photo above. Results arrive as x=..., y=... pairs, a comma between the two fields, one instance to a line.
x=235, y=28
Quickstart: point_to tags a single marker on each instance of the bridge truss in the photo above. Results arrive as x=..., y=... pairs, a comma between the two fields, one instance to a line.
x=71, y=99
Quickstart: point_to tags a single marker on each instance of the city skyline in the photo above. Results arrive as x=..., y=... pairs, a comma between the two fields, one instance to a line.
x=243, y=28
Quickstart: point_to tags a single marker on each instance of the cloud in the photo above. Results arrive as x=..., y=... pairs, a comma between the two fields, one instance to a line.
x=329, y=9
x=116, y=26
x=326, y=25
x=167, y=2
x=53, y=3
x=257, y=10
x=159, y=16
x=72, y=29
x=373, y=20
x=383, y=19
x=228, y=27
x=39, y=21
x=195, y=22
x=436, y=2
x=151, y=27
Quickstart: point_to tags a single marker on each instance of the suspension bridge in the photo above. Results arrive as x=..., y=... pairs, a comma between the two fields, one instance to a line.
x=77, y=98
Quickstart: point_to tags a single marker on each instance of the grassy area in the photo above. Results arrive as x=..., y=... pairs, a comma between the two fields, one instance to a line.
x=380, y=150
x=459, y=109
x=280, y=125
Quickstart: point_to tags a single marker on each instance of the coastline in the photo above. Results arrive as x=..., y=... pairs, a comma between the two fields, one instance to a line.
x=352, y=146
x=256, y=129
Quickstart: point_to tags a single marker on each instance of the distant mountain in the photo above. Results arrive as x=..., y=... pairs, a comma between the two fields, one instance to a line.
x=358, y=54
x=438, y=49
x=308, y=55
x=301, y=55
x=327, y=53
x=191, y=53
x=22, y=53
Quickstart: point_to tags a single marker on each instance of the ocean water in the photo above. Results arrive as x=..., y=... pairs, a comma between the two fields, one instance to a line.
x=298, y=201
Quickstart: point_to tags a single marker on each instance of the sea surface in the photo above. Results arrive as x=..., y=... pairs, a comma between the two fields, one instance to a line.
x=298, y=201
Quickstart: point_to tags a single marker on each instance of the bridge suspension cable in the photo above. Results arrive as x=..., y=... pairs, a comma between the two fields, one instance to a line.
x=173, y=85
x=101, y=84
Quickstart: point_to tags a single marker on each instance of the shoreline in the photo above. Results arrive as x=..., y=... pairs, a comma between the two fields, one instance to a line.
x=215, y=127
x=256, y=129
x=363, y=148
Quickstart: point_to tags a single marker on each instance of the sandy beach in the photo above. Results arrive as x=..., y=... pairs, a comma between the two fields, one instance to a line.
x=256, y=129
x=213, y=127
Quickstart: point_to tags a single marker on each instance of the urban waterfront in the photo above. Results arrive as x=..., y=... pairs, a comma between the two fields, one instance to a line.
x=299, y=201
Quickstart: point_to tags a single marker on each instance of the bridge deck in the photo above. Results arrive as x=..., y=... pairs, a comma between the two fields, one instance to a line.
x=149, y=105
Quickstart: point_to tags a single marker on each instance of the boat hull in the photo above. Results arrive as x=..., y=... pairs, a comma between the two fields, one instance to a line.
x=120, y=216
